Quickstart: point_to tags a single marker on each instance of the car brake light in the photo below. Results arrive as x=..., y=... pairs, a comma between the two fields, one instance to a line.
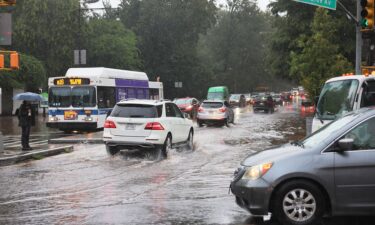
x=200, y=109
x=222, y=109
x=154, y=126
x=109, y=124
x=189, y=107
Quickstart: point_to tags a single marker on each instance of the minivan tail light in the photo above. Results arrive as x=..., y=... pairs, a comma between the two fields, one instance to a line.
x=222, y=109
x=109, y=124
x=200, y=109
x=154, y=126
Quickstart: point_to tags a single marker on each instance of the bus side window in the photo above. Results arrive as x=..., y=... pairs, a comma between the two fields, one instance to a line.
x=106, y=97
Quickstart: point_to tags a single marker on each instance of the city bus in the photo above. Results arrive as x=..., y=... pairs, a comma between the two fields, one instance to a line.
x=84, y=97
x=341, y=95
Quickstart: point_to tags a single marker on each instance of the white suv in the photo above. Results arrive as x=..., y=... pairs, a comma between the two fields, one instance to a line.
x=146, y=124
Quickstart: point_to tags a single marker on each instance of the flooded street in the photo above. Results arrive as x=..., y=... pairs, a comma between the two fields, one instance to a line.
x=189, y=187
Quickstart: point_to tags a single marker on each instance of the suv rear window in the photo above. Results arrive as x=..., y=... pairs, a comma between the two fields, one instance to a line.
x=137, y=111
x=213, y=105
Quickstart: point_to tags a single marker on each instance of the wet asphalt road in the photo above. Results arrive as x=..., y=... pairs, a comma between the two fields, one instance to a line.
x=189, y=187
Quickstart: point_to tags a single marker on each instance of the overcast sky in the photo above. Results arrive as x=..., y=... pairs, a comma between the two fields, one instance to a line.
x=261, y=3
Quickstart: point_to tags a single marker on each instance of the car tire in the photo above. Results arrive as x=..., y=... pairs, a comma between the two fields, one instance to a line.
x=112, y=150
x=154, y=154
x=200, y=123
x=299, y=202
x=167, y=146
x=190, y=141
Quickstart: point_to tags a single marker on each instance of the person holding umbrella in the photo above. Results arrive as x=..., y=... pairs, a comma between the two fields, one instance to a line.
x=26, y=116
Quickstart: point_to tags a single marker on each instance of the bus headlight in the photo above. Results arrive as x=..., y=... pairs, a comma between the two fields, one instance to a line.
x=89, y=119
x=53, y=119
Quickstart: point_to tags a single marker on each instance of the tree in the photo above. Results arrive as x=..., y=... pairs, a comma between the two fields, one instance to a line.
x=291, y=20
x=320, y=58
x=235, y=46
x=110, y=44
x=168, y=32
x=48, y=30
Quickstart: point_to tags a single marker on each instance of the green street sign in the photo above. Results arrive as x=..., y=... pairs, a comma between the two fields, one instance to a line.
x=329, y=4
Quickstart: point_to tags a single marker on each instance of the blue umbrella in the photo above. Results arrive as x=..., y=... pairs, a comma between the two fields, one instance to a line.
x=28, y=96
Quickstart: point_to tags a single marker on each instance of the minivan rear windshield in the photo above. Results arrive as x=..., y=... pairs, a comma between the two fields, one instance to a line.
x=137, y=111
x=212, y=105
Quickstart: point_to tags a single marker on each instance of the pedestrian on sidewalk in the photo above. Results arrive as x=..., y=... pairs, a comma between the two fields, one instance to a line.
x=26, y=117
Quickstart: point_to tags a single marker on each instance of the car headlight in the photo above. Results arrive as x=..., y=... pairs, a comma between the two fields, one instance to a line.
x=255, y=172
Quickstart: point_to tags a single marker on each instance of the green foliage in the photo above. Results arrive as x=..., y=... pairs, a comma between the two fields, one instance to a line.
x=168, y=32
x=292, y=20
x=320, y=58
x=48, y=30
x=31, y=76
x=235, y=47
x=111, y=45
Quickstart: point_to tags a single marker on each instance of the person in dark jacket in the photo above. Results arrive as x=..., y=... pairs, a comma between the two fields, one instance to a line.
x=26, y=117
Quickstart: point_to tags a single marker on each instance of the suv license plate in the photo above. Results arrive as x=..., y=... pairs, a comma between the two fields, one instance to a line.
x=129, y=127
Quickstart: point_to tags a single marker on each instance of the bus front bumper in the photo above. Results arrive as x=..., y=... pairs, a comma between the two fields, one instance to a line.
x=73, y=125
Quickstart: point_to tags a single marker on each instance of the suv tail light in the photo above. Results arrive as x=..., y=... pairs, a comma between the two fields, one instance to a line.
x=154, y=126
x=223, y=109
x=109, y=124
x=200, y=109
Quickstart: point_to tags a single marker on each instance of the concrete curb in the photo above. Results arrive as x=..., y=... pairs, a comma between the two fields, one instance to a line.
x=6, y=161
x=76, y=140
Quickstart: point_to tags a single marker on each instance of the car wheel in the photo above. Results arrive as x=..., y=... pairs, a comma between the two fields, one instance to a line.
x=190, y=141
x=200, y=123
x=167, y=147
x=299, y=203
x=154, y=154
x=112, y=150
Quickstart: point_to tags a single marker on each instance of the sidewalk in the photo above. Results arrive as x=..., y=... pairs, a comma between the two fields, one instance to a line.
x=89, y=138
x=12, y=152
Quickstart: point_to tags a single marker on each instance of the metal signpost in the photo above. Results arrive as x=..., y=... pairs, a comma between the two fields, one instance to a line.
x=329, y=4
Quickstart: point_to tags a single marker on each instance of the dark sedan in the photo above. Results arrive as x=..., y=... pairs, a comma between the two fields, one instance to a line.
x=264, y=102
x=331, y=172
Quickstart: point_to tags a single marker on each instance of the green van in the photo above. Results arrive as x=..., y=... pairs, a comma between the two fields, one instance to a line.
x=218, y=93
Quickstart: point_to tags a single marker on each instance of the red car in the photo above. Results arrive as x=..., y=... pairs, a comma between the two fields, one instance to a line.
x=188, y=105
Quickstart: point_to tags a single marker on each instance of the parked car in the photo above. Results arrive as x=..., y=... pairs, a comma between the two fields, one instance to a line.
x=188, y=105
x=146, y=124
x=331, y=172
x=264, y=102
x=237, y=100
x=214, y=112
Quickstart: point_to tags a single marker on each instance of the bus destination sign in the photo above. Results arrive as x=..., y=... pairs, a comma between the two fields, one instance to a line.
x=71, y=81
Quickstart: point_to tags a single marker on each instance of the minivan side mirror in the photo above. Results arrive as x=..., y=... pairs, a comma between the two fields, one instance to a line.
x=345, y=144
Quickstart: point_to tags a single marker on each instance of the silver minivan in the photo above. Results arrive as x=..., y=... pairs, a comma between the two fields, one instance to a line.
x=331, y=172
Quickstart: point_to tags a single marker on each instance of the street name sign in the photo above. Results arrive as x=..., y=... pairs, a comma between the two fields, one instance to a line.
x=329, y=4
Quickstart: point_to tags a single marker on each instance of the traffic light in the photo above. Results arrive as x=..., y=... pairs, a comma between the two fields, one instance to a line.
x=14, y=61
x=1, y=61
x=367, y=14
x=7, y=2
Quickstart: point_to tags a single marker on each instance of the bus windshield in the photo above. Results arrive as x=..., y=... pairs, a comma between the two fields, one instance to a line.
x=59, y=97
x=83, y=97
x=76, y=97
x=336, y=98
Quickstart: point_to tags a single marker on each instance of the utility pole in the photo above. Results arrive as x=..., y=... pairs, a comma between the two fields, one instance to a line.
x=358, y=42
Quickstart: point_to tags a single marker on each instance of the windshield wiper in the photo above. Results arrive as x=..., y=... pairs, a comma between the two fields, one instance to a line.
x=297, y=143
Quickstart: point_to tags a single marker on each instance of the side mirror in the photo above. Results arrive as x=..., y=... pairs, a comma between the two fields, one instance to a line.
x=187, y=116
x=346, y=144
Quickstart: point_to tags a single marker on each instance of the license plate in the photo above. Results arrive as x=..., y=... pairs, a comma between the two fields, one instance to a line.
x=70, y=115
x=129, y=126
x=211, y=112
